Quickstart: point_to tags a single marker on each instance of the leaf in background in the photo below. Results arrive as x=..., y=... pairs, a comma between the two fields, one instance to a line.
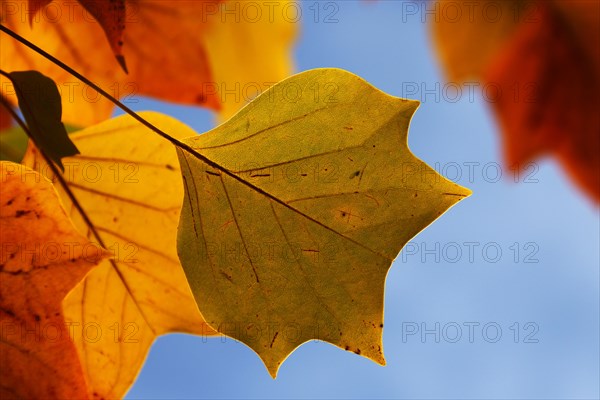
x=237, y=52
x=544, y=58
x=109, y=14
x=291, y=237
x=43, y=257
x=13, y=144
x=5, y=120
x=40, y=103
x=188, y=52
x=34, y=6
x=128, y=181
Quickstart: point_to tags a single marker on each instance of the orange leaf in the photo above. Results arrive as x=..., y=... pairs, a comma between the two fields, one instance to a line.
x=544, y=56
x=42, y=258
x=198, y=52
x=556, y=110
x=35, y=6
x=164, y=49
x=109, y=14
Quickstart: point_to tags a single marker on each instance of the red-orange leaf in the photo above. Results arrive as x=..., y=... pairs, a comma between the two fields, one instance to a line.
x=190, y=52
x=5, y=121
x=110, y=15
x=544, y=57
x=42, y=258
x=556, y=111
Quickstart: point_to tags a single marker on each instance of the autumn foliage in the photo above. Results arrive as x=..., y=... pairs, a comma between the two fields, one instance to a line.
x=545, y=57
x=328, y=181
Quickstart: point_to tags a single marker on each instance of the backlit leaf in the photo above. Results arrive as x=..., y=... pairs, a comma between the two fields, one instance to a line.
x=541, y=60
x=196, y=52
x=128, y=181
x=13, y=143
x=109, y=14
x=247, y=56
x=42, y=258
x=295, y=209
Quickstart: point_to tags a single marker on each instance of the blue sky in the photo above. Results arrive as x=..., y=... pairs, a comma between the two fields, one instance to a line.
x=528, y=316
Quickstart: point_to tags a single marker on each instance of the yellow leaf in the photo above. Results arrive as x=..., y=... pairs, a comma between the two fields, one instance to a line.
x=252, y=54
x=127, y=180
x=295, y=210
x=42, y=258
x=191, y=52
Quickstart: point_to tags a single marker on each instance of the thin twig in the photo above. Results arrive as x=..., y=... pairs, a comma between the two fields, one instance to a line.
x=174, y=141
x=63, y=183
x=104, y=93
x=116, y=102
x=55, y=171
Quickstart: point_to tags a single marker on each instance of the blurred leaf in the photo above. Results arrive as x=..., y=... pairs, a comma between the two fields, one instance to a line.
x=248, y=56
x=42, y=258
x=128, y=181
x=109, y=14
x=13, y=143
x=192, y=52
x=542, y=58
x=292, y=240
x=5, y=120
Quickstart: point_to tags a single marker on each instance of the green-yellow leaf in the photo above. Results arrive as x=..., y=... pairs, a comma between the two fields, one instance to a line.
x=295, y=209
x=13, y=142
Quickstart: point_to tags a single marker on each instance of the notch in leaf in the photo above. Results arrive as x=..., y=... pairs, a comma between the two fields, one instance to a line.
x=40, y=103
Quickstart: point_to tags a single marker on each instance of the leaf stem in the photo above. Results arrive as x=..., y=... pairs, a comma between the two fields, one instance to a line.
x=147, y=124
x=104, y=93
x=58, y=174
x=115, y=101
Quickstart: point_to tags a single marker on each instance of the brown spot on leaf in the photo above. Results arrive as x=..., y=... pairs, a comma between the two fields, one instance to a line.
x=354, y=175
x=227, y=276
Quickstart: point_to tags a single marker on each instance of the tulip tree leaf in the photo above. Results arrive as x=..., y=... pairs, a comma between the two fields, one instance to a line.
x=295, y=209
x=42, y=257
x=132, y=196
